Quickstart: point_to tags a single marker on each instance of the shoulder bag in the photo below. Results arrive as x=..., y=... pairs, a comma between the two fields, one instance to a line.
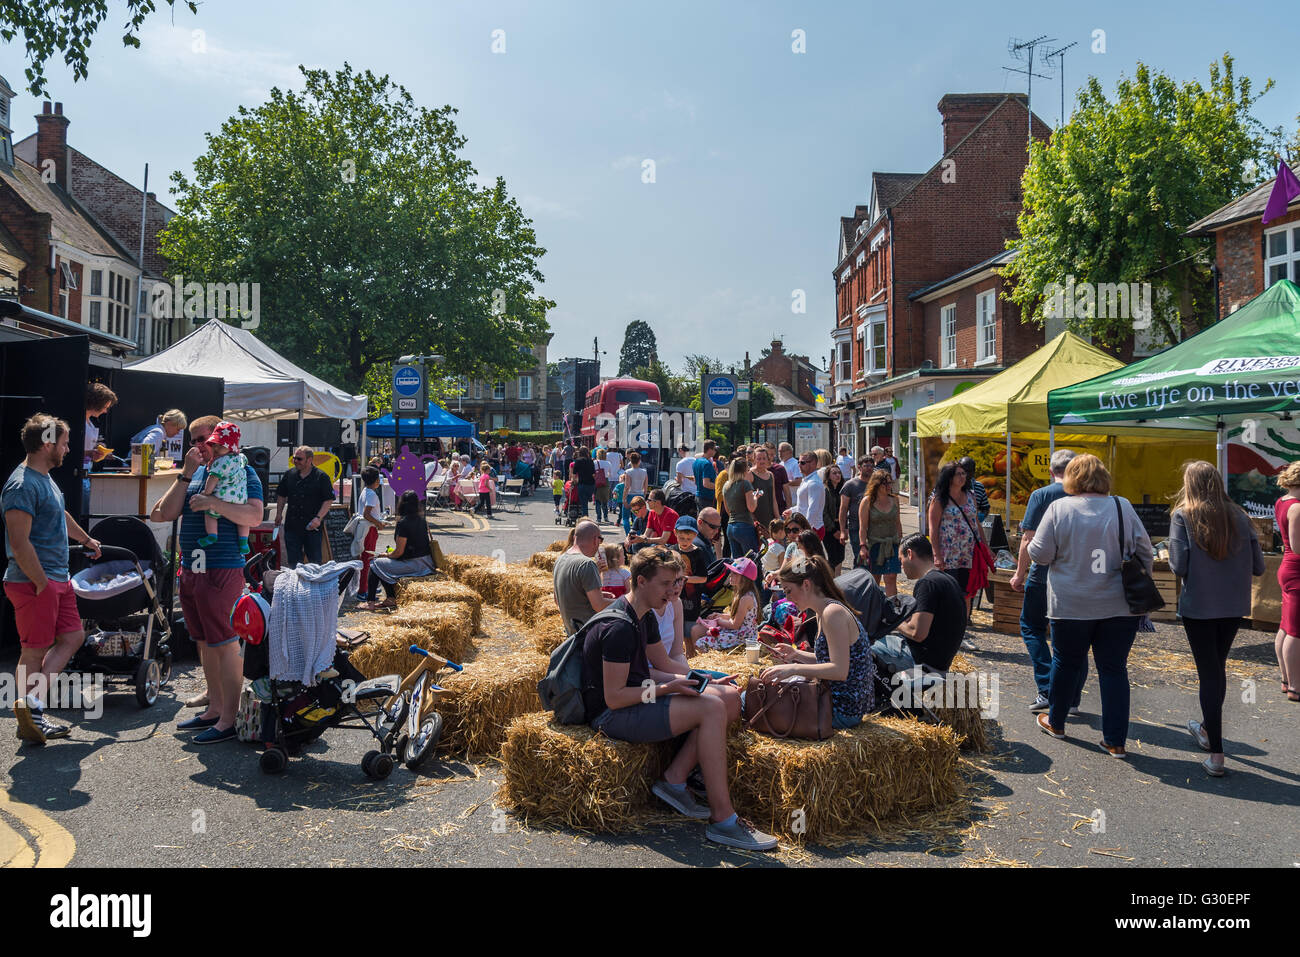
x=789, y=709
x=1139, y=589
x=982, y=561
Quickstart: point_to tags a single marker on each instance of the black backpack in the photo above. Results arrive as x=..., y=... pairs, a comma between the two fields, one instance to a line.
x=561, y=689
x=683, y=503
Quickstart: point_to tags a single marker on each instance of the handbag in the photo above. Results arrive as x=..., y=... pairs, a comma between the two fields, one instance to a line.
x=789, y=709
x=981, y=561
x=1139, y=588
x=602, y=478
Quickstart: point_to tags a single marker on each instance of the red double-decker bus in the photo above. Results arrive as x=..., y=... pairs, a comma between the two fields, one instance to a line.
x=610, y=395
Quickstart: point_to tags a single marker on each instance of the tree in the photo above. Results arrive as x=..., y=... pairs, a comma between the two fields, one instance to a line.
x=67, y=27
x=674, y=390
x=356, y=213
x=639, y=347
x=1108, y=199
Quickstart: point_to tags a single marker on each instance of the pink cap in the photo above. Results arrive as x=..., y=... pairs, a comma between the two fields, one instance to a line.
x=744, y=567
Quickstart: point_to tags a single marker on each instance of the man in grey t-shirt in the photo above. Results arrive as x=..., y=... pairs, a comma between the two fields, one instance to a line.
x=577, y=579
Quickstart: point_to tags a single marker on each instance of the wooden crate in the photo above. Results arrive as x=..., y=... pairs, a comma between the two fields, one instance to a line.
x=1007, y=602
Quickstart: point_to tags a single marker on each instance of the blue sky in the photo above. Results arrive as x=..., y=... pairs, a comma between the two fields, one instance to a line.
x=758, y=150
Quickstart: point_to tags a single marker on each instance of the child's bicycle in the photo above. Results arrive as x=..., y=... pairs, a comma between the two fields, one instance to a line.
x=414, y=703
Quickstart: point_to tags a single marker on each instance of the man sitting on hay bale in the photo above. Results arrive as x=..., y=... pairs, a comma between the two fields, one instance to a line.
x=625, y=698
x=933, y=633
x=577, y=578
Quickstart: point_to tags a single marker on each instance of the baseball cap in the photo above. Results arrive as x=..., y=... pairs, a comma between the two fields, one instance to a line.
x=744, y=567
x=686, y=522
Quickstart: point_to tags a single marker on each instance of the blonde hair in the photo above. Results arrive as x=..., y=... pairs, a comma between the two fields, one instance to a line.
x=824, y=458
x=1085, y=473
x=613, y=556
x=1289, y=477
x=176, y=417
x=1207, y=510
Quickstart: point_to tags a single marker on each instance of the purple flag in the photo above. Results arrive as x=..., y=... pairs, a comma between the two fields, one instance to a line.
x=1285, y=188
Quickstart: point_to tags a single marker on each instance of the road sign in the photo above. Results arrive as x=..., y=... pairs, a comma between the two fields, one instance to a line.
x=742, y=391
x=409, y=392
x=719, y=394
x=408, y=405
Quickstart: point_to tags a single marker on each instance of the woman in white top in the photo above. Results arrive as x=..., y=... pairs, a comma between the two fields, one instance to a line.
x=635, y=480
x=1079, y=541
x=369, y=511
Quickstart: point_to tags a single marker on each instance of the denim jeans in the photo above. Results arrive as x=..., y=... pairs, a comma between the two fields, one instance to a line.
x=1034, y=629
x=854, y=545
x=1110, y=639
x=626, y=518
x=585, y=494
x=742, y=537
x=297, y=541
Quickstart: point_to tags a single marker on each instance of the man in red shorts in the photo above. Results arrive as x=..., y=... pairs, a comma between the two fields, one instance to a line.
x=211, y=580
x=37, y=526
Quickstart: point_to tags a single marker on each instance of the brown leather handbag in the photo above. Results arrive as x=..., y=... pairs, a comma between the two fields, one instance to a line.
x=789, y=709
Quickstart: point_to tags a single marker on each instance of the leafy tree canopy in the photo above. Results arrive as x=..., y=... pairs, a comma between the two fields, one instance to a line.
x=639, y=347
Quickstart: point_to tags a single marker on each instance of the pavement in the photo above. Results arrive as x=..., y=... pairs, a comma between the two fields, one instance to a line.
x=126, y=789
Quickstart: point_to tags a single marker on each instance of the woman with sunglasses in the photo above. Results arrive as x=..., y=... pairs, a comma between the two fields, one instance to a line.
x=879, y=518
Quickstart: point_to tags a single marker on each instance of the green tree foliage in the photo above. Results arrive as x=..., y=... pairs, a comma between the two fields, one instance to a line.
x=639, y=347
x=674, y=390
x=355, y=211
x=1109, y=198
x=761, y=401
x=67, y=27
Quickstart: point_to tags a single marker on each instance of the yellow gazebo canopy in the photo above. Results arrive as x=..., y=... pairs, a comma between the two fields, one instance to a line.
x=1015, y=400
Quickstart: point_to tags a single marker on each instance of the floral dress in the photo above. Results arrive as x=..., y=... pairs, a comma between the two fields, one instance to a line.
x=856, y=694
x=731, y=637
x=956, y=534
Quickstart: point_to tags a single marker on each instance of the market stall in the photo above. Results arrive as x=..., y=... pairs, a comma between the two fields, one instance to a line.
x=1002, y=424
x=1240, y=377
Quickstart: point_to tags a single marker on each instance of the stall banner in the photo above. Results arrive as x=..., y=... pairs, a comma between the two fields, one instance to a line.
x=1257, y=450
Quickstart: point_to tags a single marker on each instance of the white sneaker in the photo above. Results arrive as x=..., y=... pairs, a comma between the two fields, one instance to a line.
x=968, y=645
x=1040, y=704
x=740, y=834
x=1197, y=731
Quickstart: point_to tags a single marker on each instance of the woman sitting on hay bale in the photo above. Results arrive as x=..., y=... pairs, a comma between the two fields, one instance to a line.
x=627, y=699
x=841, y=653
x=411, y=557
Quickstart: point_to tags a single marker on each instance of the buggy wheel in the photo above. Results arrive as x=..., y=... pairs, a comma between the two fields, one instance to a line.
x=165, y=668
x=379, y=766
x=421, y=746
x=148, y=682
x=273, y=761
x=399, y=747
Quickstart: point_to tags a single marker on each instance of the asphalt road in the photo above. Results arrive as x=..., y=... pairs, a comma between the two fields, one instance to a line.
x=125, y=789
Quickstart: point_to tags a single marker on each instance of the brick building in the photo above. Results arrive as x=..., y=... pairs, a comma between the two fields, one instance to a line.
x=915, y=266
x=1250, y=256
x=518, y=404
x=792, y=373
x=69, y=241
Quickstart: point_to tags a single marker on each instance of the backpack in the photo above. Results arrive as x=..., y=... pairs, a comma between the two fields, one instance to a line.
x=561, y=689
x=682, y=502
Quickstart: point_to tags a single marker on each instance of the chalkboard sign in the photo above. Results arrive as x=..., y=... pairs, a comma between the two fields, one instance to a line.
x=1155, y=519
x=340, y=542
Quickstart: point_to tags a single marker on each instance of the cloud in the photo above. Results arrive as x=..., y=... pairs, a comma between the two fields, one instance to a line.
x=626, y=161
x=199, y=55
x=537, y=206
x=679, y=104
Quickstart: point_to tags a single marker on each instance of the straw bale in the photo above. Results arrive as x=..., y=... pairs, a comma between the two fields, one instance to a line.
x=445, y=626
x=970, y=728
x=484, y=698
x=513, y=588
x=440, y=589
x=386, y=653
x=560, y=546
x=883, y=770
x=572, y=776
x=544, y=560
x=548, y=633
x=457, y=565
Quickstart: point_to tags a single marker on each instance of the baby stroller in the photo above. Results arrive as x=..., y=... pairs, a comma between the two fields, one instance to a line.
x=128, y=638
x=572, y=505
x=293, y=714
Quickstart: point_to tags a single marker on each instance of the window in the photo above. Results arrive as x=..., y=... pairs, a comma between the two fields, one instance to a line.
x=878, y=345
x=499, y=391
x=525, y=387
x=63, y=303
x=985, y=327
x=948, y=335
x=1282, y=254
x=862, y=257
x=464, y=386
x=97, y=282
x=846, y=362
x=478, y=388
x=525, y=422
x=498, y=420
x=96, y=322
x=69, y=277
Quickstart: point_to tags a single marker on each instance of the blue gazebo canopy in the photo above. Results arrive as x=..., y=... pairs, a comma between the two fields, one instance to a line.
x=438, y=422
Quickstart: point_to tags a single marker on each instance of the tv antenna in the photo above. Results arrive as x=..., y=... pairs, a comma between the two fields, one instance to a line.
x=1060, y=54
x=1023, y=50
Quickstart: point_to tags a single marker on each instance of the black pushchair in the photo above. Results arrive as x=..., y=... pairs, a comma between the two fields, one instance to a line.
x=129, y=638
x=296, y=714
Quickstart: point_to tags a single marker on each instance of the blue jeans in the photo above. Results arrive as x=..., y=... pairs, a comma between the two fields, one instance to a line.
x=1110, y=639
x=742, y=537
x=1034, y=630
x=854, y=545
x=602, y=509
x=585, y=494
x=625, y=517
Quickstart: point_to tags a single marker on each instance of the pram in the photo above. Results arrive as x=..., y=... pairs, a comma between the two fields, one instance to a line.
x=572, y=505
x=128, y=637
x=293, y=714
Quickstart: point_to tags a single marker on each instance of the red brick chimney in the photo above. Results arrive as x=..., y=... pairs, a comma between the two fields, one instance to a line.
x=962, y=112
x=52, y=142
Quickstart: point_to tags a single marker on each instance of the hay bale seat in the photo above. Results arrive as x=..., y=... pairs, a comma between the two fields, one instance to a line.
x=481, y=701
x=560, y=546
x=440, y=627
x=548, y=633
x=885, y=771
x=435, y=588
x=544, y=561
x=515, y=589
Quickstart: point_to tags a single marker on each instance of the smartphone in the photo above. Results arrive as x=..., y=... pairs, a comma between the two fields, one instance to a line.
x=700, y=678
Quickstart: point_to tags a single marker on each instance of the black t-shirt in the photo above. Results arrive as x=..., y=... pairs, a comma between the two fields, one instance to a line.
x=614, y=640
x=940, y=595
x=585, y=470
x=696, y=566
x=416, y=533
x=305, y=495
x=853, y=490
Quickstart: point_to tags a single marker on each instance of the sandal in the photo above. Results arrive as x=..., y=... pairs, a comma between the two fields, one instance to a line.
x=1292, y=695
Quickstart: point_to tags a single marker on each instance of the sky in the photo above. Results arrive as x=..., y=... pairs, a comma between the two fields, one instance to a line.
x=757, y=149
